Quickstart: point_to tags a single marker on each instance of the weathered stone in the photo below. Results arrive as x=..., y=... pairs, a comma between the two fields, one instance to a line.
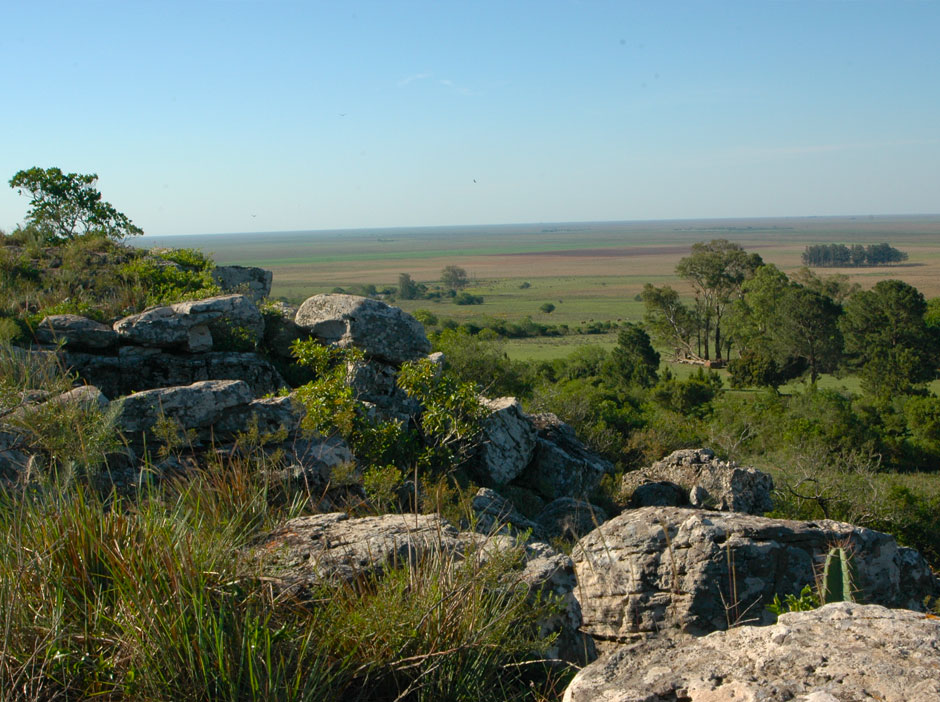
x=268, y=415
x=657, y=568
x=195, y=406
x=136, y=368
x=497, y=515
x=838, y=653
x=660, y=494
x=383, y=332
x=708, y=482
x=185, y=325
x=310, y=462
x=561, y=465
x=75, y=332
x=508, y=440
x=332, y=548
x=376, y=383
x=570, y=519
x=253, y=282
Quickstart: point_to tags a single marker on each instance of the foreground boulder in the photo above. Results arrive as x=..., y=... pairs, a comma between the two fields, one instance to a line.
x=333, y=549
x=508, y=440
x=561, y=465
x=837, y=653
x=658, y=568
x=706, y=481
x=383, y=332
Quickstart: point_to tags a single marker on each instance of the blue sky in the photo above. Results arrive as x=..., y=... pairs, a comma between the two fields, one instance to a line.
x=245, y=115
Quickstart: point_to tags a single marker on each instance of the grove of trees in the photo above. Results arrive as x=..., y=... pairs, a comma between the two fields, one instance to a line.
x=856, y=255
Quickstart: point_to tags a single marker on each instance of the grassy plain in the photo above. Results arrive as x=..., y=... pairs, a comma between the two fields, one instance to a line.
x=589, y=271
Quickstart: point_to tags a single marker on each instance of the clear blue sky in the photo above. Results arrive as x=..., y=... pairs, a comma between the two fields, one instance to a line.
x=272, y=115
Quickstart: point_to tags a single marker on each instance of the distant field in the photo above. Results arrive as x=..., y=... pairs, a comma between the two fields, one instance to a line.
x=589, y=271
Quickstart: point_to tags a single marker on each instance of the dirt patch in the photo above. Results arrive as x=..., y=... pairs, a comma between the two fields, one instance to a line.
x=592, y=253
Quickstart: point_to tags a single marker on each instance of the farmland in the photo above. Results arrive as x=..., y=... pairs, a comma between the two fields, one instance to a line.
x=588, y=271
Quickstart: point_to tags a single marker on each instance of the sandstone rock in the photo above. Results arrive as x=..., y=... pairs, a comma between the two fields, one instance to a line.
x=383, y=332
x=661, y=494
x=137, y=368
x=508, y=440
x=185, y=325
x=497, y=515
x=332, y=548
x=570, y=519
x=561, y=466
x=838, y=653
x=195, y=406
x=253, y=282
x=708, y=482
x=76, y=332
x=657, y=568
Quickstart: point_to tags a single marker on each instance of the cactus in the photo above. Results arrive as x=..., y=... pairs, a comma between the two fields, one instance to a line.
x=837, y=583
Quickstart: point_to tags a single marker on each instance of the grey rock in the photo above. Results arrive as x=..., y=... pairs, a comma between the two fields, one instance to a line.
x=136, y=368
x=657, y=568
x=569, y=519
x=332, y=548
x=185, y=325
x=709, y=483
x=497, y=515
x=561, y=466
x=508, y=440
x=268, y=415
x=375, y=383
x=253, y=282
x=196, y=406
x=659, y=494
x=75, y=332
x=843, y=652
x=383, y=332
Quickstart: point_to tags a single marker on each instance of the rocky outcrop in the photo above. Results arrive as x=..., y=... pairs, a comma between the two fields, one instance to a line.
x=136, y=368
x=333, y=548
x=197, y=406
x=384, y=333
x=185, y=325
x=569, y=519
x=658, y=568
x=508, y=440
x=561, y=465
x=708, y=482
x=253, y=282
x=837, y=653
x=75, y=332
x=496, y=515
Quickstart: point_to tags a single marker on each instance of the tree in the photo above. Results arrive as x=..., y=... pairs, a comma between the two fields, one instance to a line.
x=672, y=323
x=454, y=277
x=887, y=338
x=633, y=360
x=407, y=288
x=64, y=206
x=716, y=271
x=547, y=307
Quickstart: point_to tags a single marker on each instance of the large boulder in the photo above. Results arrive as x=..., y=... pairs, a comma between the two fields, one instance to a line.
x=561, y=466
x=708, y=482
x=494, y=514
x=247, y=280
x=838, y=653
x=197, y=406
x=569, y=519
x=508, y=440
x=657, y=568
x=383, y=332
x=136, y=368
x=75, y=332
x=335, y=549
x=185, y=326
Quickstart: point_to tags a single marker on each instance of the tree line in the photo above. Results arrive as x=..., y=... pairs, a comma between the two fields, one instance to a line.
x=856, y=255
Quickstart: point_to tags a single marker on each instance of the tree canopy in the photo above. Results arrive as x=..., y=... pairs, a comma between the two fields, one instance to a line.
x=65, y=205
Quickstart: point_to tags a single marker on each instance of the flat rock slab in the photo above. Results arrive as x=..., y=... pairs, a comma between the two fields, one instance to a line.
x=195, y=406
x=383, y=332
x=843, y=652
x=698, y=571
x=75, y=332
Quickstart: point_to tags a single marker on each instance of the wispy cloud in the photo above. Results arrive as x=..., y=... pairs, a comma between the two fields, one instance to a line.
x=413, y=78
